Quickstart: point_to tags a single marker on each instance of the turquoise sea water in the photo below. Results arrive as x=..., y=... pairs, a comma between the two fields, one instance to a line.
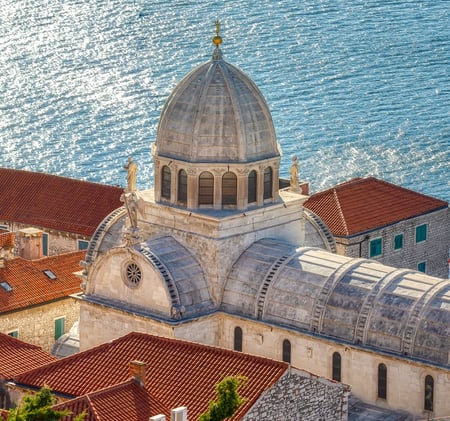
x=356, y=87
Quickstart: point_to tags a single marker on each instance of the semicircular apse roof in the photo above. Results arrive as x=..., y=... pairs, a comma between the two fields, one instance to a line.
x=354, y=300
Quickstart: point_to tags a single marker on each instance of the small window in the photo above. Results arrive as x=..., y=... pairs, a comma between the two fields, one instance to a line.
x=45, y=244
x=238, y=339
x=50, y=274
x=286, y=351
x=59, y=327
x=376, y=247
x=165, y=183
x=421, y=233
x=429, y=393
x=206, y=189
x=336, y=370
x=6, y=286
x=14, y=333
x=398, y=242
x=83, y=245
x=229, y=189
x=182, y=186
x=382, y=381
x=252, y=187
x=268, y=182
x=422, y=267
x=132, y=274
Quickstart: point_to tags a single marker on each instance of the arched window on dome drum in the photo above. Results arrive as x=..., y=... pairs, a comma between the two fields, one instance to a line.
x=268, y=182
x=229, y=189
x=182, y=186
x=252, y=187
x=206, y=189
x=336, y=370
x=238, y=339
x=382, y=381
x=165, y=182
x=429, y=393
x=286, y=351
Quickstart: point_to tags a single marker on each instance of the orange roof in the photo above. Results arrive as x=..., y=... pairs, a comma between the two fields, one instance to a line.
x=54, y=202
x=23, y=283
x=364, y=204
x=179, y=373
x=6, y=239
x=127, y=400
x=18, y=356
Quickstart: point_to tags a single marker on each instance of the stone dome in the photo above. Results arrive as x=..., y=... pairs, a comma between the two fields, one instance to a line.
x=216, y=114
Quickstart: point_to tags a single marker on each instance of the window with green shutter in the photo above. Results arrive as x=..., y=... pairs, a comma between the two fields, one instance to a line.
x=59, y=327
x=376, y=247
x=398, y=242
x=14, y=333
x=421, y=233
x=422, y=267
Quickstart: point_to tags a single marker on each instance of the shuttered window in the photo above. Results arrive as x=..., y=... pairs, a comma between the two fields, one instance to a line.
x=182, y=186
x=165, y=183
x=206, y=189
x=229, y=189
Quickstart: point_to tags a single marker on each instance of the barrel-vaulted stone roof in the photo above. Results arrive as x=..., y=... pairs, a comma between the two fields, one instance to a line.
x=355, y=300
x=216, y=114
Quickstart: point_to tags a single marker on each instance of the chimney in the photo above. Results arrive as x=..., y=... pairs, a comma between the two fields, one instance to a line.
x=30, y=243
x=138, y=371
x=159, y=417
x=178, y=414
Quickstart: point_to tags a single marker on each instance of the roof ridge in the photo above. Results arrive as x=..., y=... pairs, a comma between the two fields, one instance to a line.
x=341, y=213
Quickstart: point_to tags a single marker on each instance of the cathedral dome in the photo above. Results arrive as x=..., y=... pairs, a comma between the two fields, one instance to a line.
x=216, y=114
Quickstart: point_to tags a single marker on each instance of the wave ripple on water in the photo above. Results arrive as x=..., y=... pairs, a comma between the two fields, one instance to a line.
x=356, y=87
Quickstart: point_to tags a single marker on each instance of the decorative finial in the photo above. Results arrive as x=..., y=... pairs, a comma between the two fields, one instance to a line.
x=217, y=40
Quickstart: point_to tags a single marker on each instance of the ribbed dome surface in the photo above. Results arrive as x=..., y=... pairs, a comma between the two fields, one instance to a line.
x=216, y=114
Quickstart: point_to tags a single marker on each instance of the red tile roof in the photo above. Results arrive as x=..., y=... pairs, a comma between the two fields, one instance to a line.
x=125, y=401
x=179, y=373
x=54, y=202
x=364, y=204
x=31, y=286
x=6, y=239
x=18, y=356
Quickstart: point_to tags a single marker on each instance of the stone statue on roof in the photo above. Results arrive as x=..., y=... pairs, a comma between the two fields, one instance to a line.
x=132, y=168
x=294, y=174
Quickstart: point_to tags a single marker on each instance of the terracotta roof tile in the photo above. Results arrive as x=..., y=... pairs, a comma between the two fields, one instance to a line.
x=29, y=285
x=6, y=239
x=18, y=356
x=364, y=204
x=126, y=400
x=54, y=202
x=179, y=373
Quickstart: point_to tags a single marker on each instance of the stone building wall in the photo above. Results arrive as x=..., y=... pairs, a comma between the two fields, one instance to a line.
x=58, y=241
x=405, y=377
x=434, y=251
x=299, y=395
x=36, y=325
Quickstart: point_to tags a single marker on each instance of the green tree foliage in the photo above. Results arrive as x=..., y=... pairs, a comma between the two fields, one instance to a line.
x=228, y=399
x=37, y=408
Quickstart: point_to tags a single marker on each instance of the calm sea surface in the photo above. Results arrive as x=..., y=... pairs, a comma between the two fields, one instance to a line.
x=356, y=88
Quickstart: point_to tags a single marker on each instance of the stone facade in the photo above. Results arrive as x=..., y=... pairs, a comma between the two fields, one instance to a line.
x=36, y=324
x=299, y=395
x=433, y=251
x=58, y=242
